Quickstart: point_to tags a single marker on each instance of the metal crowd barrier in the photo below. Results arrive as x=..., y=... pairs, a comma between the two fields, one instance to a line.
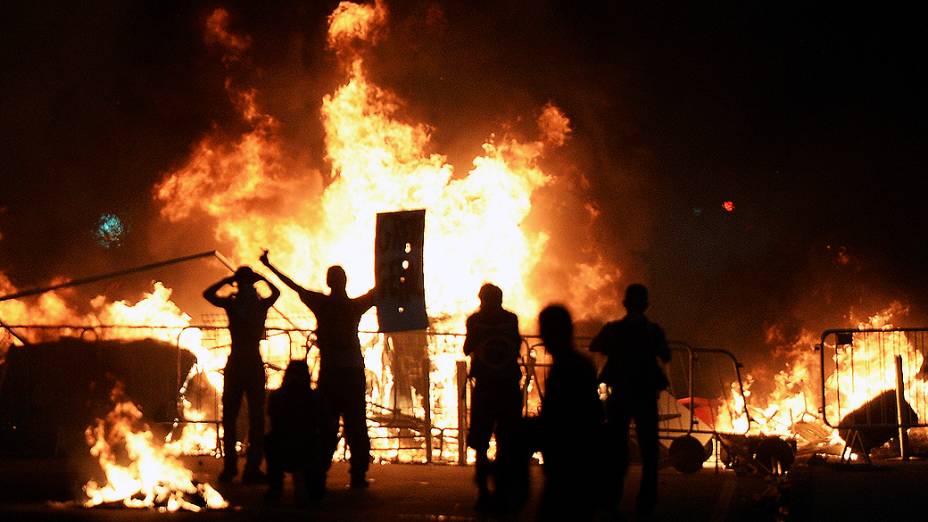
x=693, y=372
x=874, y=384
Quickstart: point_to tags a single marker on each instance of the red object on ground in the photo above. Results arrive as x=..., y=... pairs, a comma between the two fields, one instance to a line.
x=704, y=409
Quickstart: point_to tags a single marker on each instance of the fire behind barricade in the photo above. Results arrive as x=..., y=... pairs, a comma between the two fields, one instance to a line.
x=410, y=370
x=873, y=386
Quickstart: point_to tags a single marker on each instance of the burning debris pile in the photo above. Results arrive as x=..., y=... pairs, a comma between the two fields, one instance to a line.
x=52, y=390
x=858, y=389
x=139, y=472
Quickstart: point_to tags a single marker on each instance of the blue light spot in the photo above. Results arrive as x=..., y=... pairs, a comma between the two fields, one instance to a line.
x=110, y=230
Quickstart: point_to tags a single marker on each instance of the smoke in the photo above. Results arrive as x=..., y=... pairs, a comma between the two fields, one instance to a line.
x=672, y=110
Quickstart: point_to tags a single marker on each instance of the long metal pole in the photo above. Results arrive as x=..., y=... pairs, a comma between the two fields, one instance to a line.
x=901, y=415
x=12, y=332
x=103, y=277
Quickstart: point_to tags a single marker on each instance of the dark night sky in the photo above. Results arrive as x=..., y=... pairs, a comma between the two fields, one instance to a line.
x=810, y=118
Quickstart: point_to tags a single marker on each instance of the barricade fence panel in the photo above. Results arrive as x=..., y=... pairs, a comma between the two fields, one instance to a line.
x=418, y=390
x=861, y=371
x=720, y=404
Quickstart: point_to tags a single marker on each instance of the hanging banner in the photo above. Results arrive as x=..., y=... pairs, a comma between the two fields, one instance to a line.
x=398, y=271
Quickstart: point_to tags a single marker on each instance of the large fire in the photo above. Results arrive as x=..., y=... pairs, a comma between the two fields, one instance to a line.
x=259, y=197
x=477, y=230
x=475, y=223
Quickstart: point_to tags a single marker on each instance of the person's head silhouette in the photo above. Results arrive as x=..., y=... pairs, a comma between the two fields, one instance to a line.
x=636, y=298
x=557, y=329
x=491, y=297
x=296, y=375
x=245, y=279
x=336, y=278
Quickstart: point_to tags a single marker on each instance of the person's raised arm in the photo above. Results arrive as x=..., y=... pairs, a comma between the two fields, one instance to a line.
x=367, y=300
x=275, y=292
x=280, y=275
x=210, y=294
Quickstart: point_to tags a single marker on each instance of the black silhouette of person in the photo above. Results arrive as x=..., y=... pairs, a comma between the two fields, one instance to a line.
x=341, y=382
x=293, y=443
x=571, y=424
x=244, y=371
x=633, y=346
x=492, y=342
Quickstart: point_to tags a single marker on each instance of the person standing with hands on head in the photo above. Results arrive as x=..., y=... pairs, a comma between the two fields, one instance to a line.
x=244, y=371
x=492, y=342
x=633, y=346
x=342, y=383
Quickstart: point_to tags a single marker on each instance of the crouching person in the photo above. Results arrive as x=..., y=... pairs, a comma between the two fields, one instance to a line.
x=294, y=444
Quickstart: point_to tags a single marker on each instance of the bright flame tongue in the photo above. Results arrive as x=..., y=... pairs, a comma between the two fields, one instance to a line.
x=147, y=475
x=474, y=223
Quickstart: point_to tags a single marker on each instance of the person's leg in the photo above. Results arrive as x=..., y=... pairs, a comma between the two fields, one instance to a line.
x=511, y=482
x=255, y=393
x=478, y=438
x=275, y=471
x=329, y=403
x=315, y=467
x=231, y=403
x=646, y=427
x=618, y=418
x=355, y=418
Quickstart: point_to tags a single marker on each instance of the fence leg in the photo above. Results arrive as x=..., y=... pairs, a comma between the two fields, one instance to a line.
x=462, y=411
x=900, y=414
x=427, y=399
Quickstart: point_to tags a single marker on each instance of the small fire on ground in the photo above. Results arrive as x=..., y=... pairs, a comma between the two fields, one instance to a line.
x=141, y=473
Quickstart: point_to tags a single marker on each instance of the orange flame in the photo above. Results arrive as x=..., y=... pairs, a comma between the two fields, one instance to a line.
x=795, y=397
x=476, y=228
x=152, y=476
x=475, y=223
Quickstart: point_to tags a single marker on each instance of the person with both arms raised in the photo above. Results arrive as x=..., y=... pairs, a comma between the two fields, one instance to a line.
x=341, y=382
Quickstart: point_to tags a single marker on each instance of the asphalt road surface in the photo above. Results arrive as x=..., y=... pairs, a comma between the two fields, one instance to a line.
x=42, y=489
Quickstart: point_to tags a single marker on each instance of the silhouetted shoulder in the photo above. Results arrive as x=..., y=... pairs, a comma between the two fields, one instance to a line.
x=313, y=300
x=606, y=337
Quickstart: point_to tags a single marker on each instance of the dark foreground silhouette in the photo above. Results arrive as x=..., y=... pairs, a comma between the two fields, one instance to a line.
x=493, y=342
x=571, y=424
x=633, y=346
x=294, y=440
